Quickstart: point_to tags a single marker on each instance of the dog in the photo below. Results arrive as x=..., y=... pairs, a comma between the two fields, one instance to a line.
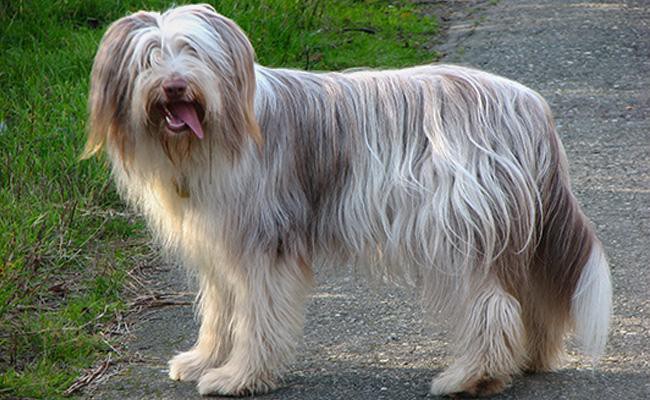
x=446, y=178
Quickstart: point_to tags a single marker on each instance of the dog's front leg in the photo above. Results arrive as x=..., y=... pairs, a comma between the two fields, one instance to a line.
x=215, y=305
x=268, y=316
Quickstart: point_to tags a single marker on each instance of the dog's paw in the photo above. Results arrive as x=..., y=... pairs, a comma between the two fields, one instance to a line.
x=227, y=382
x=446, y=384
x=188, y=366
x=450, y=384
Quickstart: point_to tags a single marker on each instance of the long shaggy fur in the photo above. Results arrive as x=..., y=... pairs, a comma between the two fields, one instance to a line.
x=444, y=177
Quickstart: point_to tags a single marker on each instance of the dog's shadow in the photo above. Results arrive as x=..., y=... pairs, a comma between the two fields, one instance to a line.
x=351, y=382
x=322, y=371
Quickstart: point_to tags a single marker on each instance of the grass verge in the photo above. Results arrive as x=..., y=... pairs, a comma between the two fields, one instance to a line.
x=67, y=242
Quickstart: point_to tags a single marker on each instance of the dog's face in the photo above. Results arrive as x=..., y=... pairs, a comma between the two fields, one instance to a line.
x=183, y=77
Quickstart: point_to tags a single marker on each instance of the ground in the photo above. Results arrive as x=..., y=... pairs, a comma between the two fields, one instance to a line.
x=591, y=60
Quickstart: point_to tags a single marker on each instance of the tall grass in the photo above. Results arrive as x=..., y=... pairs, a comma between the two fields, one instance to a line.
x=67, y=242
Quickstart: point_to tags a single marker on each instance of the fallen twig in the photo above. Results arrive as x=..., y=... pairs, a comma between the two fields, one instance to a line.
x=155, y=300
x=90, y=376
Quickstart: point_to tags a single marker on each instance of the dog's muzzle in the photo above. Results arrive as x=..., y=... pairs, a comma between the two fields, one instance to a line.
x=180, y=113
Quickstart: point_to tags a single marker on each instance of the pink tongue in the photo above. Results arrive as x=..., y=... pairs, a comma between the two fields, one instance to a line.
x=187, y=113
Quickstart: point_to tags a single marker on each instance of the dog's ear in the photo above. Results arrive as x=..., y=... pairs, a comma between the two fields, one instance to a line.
x=238, y=83
x=111, y=83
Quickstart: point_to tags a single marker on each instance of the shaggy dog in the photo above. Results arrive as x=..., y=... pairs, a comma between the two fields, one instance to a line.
x=447, y=178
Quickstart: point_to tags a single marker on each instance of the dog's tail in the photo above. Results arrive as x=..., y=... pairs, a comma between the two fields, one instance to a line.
x=591, y=304
x=575, y=272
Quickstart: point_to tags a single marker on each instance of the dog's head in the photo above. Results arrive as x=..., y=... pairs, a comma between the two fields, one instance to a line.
x=184, y=77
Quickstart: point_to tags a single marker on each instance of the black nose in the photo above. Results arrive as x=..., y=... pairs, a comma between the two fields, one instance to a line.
x=174, y=88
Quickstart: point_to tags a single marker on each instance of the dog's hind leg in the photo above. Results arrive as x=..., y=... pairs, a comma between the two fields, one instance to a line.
x=490, y=344
x=546, y=320
x=268, y=317
x=215, y=303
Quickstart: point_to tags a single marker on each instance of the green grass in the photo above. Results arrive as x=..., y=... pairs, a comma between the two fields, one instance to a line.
x=66, y=240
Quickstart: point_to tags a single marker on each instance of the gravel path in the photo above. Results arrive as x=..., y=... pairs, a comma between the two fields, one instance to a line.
x=591, y=60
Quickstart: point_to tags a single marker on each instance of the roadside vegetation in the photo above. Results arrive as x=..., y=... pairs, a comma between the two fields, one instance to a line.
x=68, y=245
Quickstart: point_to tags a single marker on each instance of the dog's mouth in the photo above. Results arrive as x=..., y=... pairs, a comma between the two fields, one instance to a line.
x=183, y=116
